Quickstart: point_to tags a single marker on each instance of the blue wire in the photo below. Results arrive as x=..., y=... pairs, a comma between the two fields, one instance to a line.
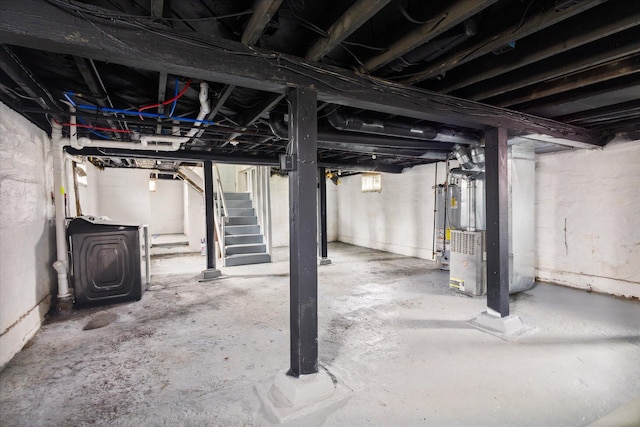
x=66, y=95
x=93, y=131
x=137, y=113
x=175, y=101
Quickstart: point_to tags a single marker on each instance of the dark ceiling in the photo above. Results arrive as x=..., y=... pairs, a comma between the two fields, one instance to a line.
x=573, y=61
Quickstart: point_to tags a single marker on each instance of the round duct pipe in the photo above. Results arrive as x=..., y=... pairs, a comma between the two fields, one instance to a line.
x=333, y=139
x=396, y=128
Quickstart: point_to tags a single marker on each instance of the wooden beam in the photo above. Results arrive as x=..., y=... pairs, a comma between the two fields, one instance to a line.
x=500, y=38
x=13, y=67
x=610, y=112
x=94, y=87
x=599, y=74
x=159, y=8
x=604, y=51
x=546, y=44
x=359, y=13
x=629, y=84
x=263, y=11
x=157, y=48
x=441, y=22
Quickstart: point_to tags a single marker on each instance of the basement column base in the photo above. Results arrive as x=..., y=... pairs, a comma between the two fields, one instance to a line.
x=508, y=326
x=324, y=261
x=291, y=398
x=209, y=274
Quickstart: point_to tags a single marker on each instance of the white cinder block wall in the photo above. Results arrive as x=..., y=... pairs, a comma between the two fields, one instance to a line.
x=27, y=241
x=280, y=211
x=123, y=195
x=399, y=219
x=167, y=207
x=588, y=218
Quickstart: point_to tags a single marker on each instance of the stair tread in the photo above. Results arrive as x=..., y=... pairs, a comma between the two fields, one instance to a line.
x=243, y=245
x=249, y=254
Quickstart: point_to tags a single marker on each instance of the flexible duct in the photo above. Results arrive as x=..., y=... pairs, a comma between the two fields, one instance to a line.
x=332, y=139
x=397, y=129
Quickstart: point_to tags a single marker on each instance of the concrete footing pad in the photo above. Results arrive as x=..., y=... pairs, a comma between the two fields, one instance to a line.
x=324, y=261
x=502, y=326
x=209, y=274
x=290, y=399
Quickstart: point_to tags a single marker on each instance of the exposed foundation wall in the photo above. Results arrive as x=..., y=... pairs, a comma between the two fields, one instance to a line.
x=398, y=219
x=280, y=211
x=27, y=236
x=123, y=195
x=194, y=217
x=167, y=208
x=588, y=218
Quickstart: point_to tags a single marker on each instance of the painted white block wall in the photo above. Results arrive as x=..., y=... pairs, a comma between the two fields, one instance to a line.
x=123, y=195
x=280, y=211
x=27, y=241
x=399, y=219
x=195, y=217
x=167, y=207
x=588, y=218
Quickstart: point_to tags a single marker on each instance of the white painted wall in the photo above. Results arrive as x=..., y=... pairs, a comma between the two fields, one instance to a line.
x=280, y=211
x=399, y=219
x=597, y=193
x=27, y=242
x=89, y=202
x=123, y=195
x=167, y=207
x=195, y=217
x=228, y=177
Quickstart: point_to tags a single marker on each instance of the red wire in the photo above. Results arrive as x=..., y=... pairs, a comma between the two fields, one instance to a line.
x=96, y=128
x=169, y=101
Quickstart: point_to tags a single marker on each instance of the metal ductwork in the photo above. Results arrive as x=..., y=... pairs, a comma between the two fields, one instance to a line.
x=331, y=139
x=469, y=157
x=396, y=128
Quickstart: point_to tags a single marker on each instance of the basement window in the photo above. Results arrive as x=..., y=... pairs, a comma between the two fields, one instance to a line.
x=371, y=182
x=81, y=174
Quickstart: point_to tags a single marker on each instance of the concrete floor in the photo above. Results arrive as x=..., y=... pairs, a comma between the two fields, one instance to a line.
x=192, y=353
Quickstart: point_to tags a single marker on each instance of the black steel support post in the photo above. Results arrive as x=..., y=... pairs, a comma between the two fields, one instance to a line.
x=497, y=206
x=208, y=197
x=322, y=187
x=303, y=232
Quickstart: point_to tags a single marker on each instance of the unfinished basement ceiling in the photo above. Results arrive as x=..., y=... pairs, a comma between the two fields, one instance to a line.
x=575, y=62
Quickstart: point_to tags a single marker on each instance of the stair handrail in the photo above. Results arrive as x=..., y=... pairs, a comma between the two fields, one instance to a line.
x=221, y=218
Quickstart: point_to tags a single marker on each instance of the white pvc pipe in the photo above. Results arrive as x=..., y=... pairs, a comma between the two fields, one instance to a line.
x=58, y=182
x=73, y=130
x=204, y=108
x=175, y=141
x=86, y=142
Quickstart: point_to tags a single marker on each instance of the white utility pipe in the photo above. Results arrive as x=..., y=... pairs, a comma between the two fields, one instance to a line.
x=58, y=182
x=204, y=108
x=86, y=142
x=175, y=141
